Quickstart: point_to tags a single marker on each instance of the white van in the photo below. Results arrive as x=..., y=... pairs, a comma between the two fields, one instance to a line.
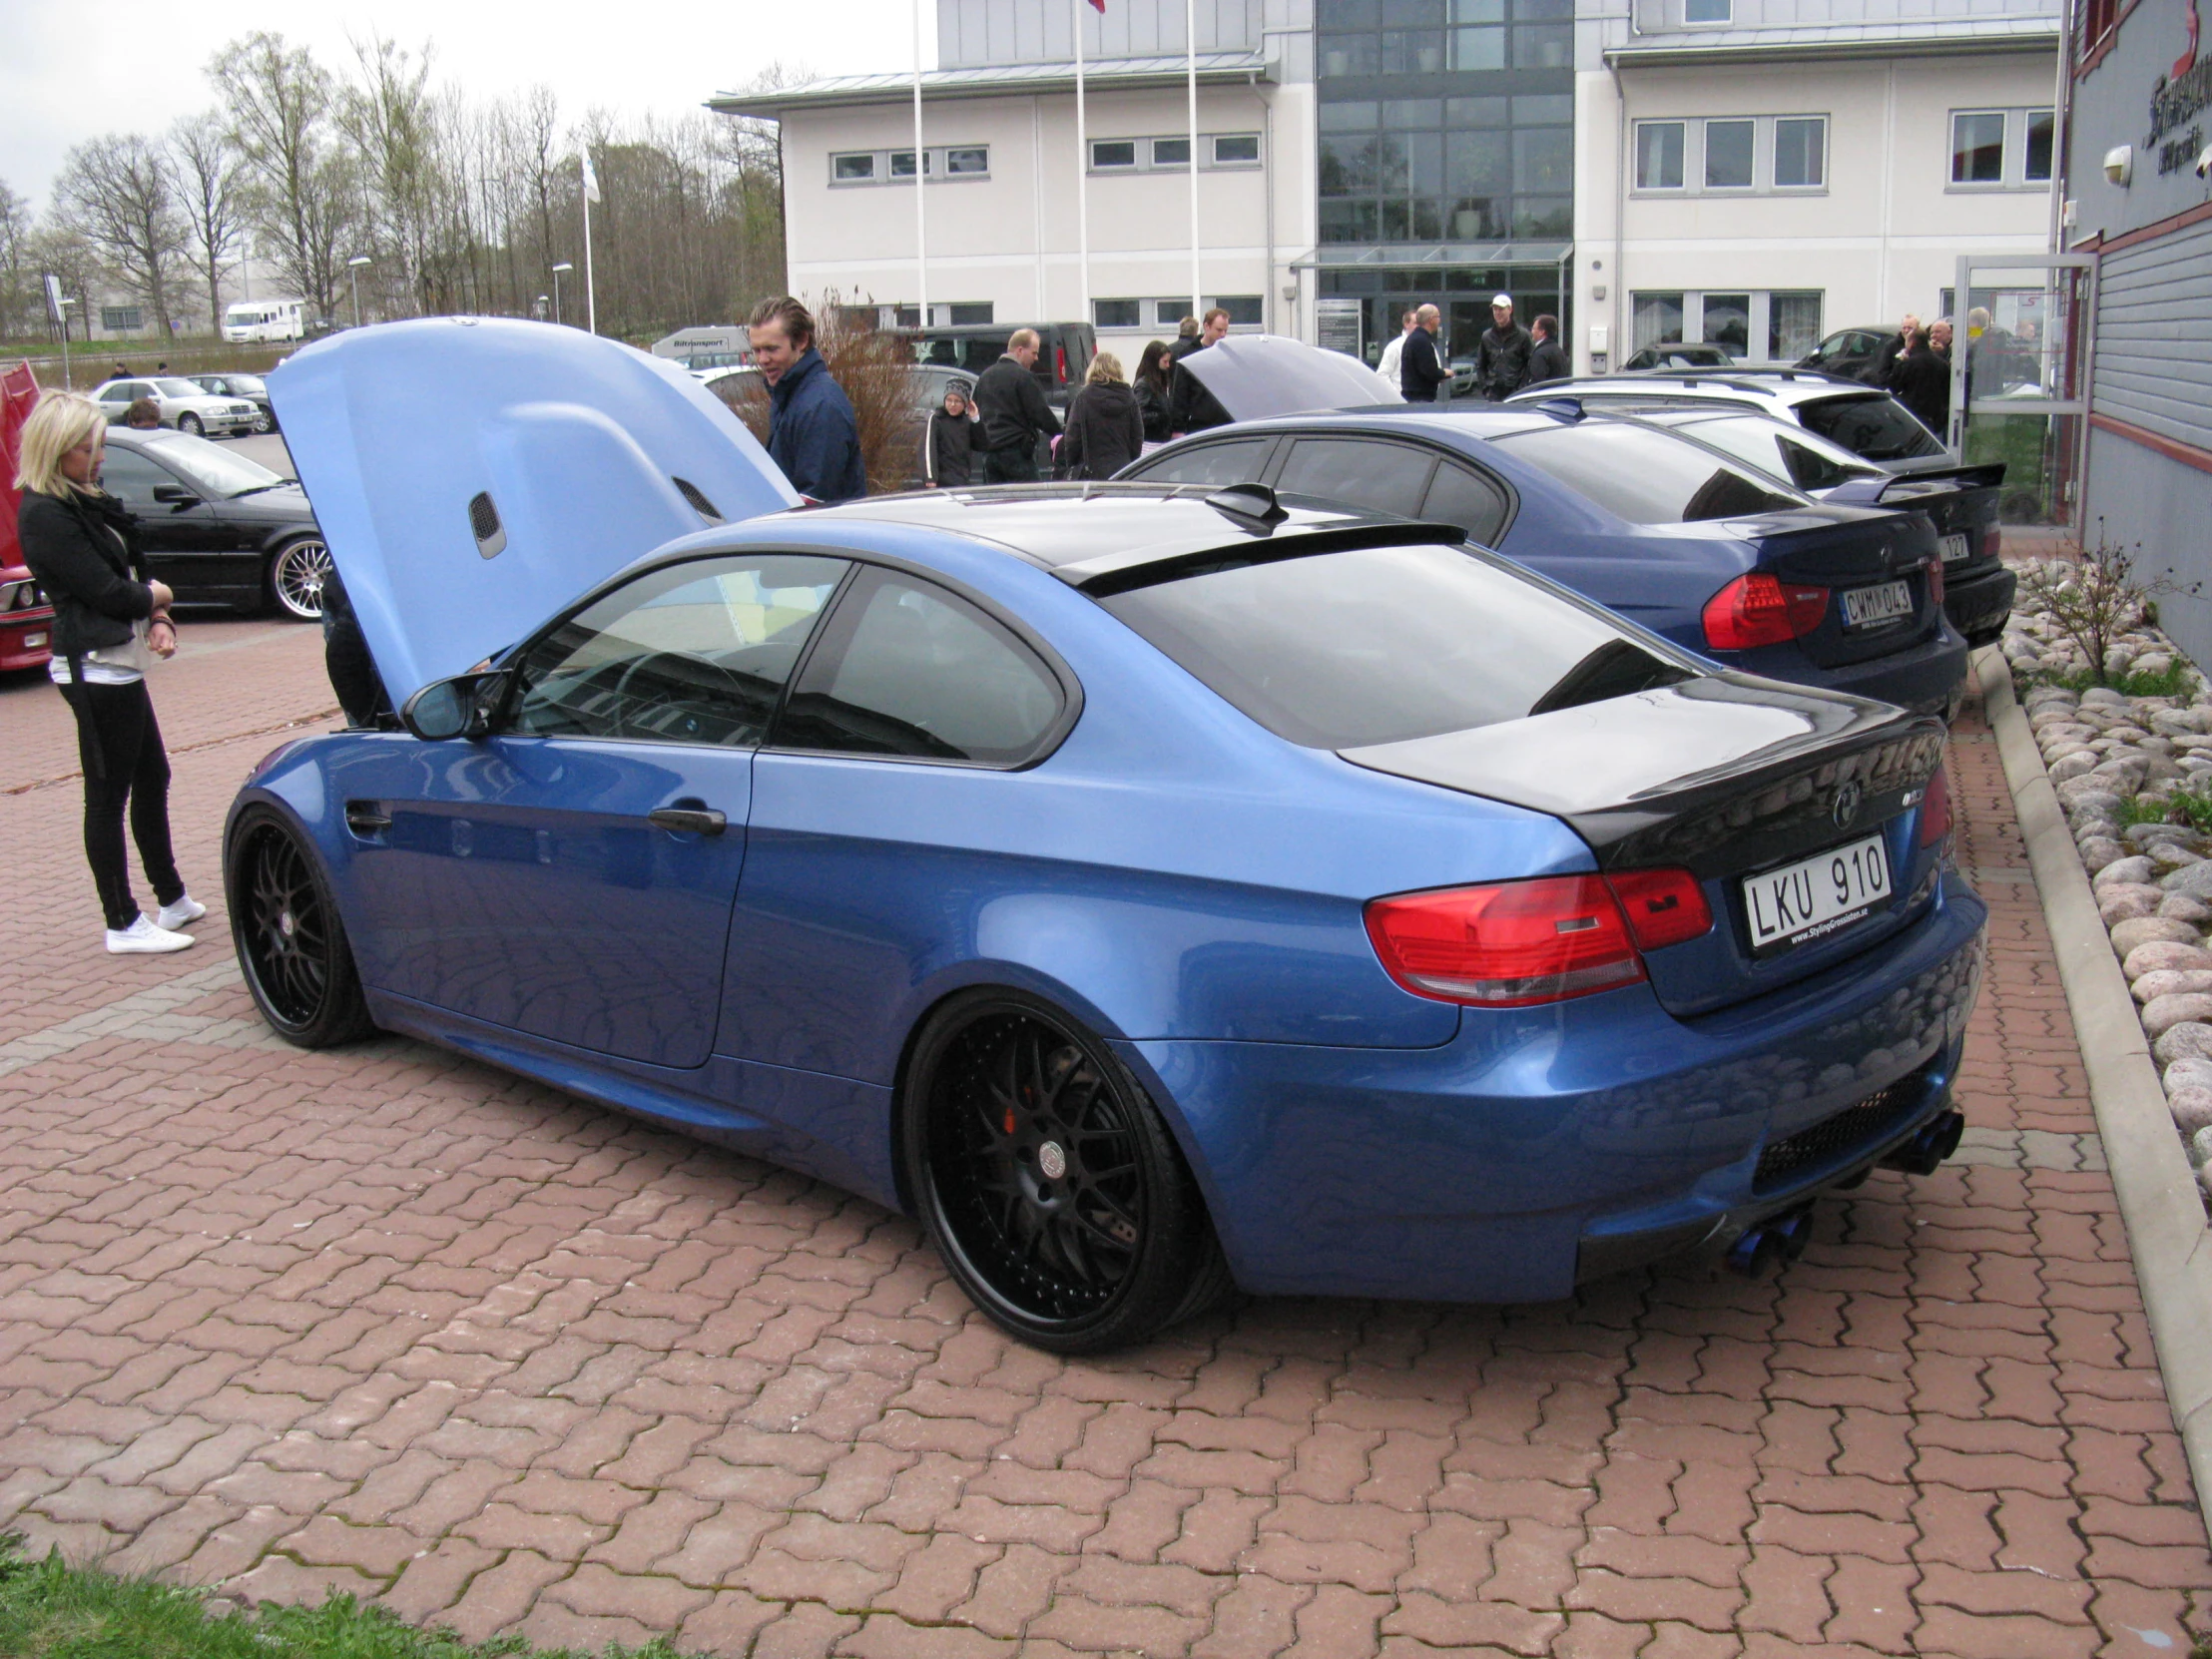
x=265, y=319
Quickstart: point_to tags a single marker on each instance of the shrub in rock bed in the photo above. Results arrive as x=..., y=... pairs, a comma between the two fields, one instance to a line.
x=2128, y=744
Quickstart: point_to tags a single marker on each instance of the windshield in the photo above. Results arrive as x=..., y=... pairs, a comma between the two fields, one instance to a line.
x=1385, y=644
x=249, y=385
x=179, y=389
x=1774, y=447
x=1878, y=428
x=217, y=471
x=1648, y=477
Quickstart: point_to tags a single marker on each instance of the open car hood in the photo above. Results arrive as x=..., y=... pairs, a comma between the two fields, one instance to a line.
x=1259, y=376
x=472, y=474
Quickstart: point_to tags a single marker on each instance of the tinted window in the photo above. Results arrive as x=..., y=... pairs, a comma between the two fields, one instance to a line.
x=693, y=653
x=1390, y=477
x=1465, y=497
x=910, y=669
x=1880, y=428
x=1209, y=463
x=1383, y=644
x=216, y=470
x=1805, y=460
x=131, y=477
x=1647, y=477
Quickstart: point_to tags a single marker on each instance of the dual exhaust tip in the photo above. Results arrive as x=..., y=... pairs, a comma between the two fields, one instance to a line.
x=1782, y=1238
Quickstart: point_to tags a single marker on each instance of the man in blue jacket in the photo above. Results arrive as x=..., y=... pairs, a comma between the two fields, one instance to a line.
x=812, y=433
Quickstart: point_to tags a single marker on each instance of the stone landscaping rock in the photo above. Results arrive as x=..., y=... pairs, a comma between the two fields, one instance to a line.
x=2189, y=1041
x=2192, y=1109
x=2151, y=930
x=2196, y=881
x=2125, y=902
x=2099, y=852
x=2190, y=1074
x=2072, y=762
x=2186, y=907
x=2163, y=1013
x=2173, y=982
x=2163, y=954
x=2135, y=871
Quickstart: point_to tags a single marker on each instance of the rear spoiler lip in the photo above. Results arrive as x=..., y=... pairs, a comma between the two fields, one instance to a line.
x=1876, y=492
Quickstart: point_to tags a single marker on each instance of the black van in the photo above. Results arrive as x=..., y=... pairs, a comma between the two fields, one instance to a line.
x=1064, y=352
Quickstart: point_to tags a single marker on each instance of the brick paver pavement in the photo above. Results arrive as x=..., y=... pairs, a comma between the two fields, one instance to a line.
x=389, y=1322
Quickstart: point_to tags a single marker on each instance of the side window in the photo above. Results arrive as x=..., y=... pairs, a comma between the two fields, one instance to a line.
x=1210, y=463
x=909, y=669
x=693, y=653
x=1388, y=477
x=1465, y=497
x=131, y=478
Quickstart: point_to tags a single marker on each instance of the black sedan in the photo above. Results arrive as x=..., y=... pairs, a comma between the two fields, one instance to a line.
x=219, y=528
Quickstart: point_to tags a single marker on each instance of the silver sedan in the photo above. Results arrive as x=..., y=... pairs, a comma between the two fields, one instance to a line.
x=183, y=405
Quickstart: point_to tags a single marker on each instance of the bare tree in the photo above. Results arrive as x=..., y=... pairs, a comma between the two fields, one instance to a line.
x=60, y=248
x=17, y=280
x=210, y=183
x=118, y=192
x=280, y=101
x=390, y=113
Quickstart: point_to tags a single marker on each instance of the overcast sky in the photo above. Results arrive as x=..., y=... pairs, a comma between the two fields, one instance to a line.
x=72, y=72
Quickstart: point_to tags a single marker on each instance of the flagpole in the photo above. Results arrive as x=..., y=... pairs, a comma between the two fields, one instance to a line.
x=1082, y=171
x=1190, y=50
x=591, y=292
x=921, y=174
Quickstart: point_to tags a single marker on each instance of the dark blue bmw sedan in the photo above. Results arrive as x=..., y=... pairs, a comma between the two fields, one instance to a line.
x=1678, y=535
x=1149, y=889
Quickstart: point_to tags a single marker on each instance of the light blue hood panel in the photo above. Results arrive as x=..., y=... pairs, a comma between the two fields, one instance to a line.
x=576, y=443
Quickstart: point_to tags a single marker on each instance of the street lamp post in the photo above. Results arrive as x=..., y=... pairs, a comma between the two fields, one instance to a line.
x=557, y=269
x=353, y=275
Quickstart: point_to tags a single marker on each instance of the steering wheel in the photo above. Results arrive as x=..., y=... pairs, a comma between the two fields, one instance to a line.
x=673, y=695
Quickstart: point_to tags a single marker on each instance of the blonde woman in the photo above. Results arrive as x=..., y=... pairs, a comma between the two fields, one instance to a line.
x=1105, y=426
x=108, y=622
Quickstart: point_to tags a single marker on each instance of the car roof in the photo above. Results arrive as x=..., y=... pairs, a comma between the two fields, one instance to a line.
x=1779, y=387
x=1483, y=420
x=1089, y=534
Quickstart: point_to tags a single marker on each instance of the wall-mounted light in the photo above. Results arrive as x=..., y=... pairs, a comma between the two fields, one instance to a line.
x=2119, y=163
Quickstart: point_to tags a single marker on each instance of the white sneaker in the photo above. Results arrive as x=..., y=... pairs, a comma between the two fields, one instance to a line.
x=143, y=938
x=183, y=914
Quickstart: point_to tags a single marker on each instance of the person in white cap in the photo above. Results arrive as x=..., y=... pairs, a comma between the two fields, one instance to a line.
x=1501, y=360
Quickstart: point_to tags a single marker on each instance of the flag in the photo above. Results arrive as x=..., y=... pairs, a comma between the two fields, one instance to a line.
x=1099, y=6
x=591, y=178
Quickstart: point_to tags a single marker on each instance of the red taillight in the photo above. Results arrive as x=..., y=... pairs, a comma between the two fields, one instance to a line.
x=1508, y=945
x=1991, y=539
x=1760, y=609
x=1060, y=356
x=1663, y=906
x=1935, y=581
x=1936, y=807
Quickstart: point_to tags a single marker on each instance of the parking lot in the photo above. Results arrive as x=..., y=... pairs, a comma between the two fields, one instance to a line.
x=386, y=1320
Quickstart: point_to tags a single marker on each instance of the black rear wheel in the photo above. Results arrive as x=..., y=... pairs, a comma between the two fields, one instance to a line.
x=189, y=423
x=291, y=944
x=1048, y=1180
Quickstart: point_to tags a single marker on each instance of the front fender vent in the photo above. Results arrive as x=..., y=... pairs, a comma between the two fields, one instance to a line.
x=698, y=498
x=484, y=525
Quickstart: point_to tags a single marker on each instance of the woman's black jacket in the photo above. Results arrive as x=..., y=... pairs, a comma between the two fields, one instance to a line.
x=1105, y=433
x=948, y=458
x=97, y=587
x=1152, y=403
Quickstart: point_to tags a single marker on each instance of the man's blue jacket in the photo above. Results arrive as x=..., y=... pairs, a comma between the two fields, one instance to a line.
x=811, y=434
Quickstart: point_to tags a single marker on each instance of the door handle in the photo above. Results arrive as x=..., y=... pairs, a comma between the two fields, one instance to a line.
x=366, y=818
x=687, y=820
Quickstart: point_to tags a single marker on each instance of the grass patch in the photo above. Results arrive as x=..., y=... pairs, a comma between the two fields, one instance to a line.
x=2178, y=681
x=2182, y=807
x=52, y=1610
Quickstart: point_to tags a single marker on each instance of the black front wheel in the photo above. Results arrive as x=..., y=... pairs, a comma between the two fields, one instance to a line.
x=189, y=423
x=290, y=943
x=1048, y=1180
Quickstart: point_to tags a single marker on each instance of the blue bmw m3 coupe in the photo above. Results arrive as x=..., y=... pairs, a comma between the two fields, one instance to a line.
x=1151, y=890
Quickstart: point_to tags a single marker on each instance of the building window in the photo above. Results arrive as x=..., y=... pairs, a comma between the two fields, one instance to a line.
x=1785, y=323
x=968, y=313
x=1792, y=325
x=1113, y=153
x=877, y=166
x=1173, y=154
x=1117, y=313
x=121, y=320
x=1245, y=311
x=1171, y=151
x=1801, y=153
x=972, y=158
x=1728, y=147
x=1235, y=149
x=1727, y=323
x=1243, y=308
x=2040, y=126
x=1658, y=154
x=853, y=170
x=1708, y=11
x=1978, y=147
x=1657, y=318
x=902, y=164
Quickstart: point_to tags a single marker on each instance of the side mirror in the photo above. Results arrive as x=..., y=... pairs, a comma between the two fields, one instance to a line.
x=462, y=706
x=176, y=495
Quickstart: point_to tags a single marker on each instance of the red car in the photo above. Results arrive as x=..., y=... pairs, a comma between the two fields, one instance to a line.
x=26, y=620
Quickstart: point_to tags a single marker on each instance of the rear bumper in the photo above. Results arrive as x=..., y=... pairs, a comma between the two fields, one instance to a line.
x=1927, y=679
x=1978, y=601
x=1490, y=1168
x=25, y=640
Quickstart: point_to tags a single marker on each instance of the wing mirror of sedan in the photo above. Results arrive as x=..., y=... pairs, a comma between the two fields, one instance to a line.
x=176, y=495
x=462, y=706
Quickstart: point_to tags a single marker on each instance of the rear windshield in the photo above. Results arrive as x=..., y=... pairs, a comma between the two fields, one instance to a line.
x=1806, y=458
x=1876, y=426
x=1385, y=644
x=1648, y=477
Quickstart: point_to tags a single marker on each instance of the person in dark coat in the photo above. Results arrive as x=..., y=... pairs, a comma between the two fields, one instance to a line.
x=1423, y=374
x=1191, y=407
x=346, y=660
x=110, y=623
x=1105, y=426
x=1921, y=382
x=811, y=432
x=1502, y=358
x=1892, y=352
x=1152, y=390
x=948, y=448
x=1011, y=406
x=1547, y=359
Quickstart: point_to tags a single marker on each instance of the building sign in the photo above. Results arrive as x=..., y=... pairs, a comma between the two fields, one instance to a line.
x=1337, y=326
x=2177, y=98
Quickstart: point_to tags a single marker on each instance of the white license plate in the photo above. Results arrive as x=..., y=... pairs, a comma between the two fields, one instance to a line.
x=1884, y=602
x=1956, y=549
x=31, y=642
x=1817, y=896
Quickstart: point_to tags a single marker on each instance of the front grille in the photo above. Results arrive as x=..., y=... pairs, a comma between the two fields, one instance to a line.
x=1833, y=1138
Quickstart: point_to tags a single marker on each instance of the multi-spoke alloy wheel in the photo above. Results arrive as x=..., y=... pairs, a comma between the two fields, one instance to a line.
x=288, y=936
x=1049, y=1182
x=297, y=576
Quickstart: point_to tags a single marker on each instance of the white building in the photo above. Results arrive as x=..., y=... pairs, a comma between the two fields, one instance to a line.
x=1750, y=172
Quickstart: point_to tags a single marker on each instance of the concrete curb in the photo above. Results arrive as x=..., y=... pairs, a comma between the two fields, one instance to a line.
x=2157, y=1192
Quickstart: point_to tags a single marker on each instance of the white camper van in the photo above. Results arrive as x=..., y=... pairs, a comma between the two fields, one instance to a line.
x=251, y=321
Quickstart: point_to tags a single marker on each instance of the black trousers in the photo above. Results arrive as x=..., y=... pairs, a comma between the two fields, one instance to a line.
x=120, y=747
x=1010, y=466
